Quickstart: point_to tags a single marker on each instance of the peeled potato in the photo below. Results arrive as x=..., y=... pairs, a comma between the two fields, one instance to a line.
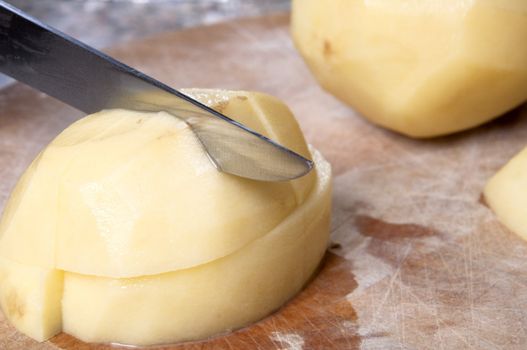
x=505, y=194
x=208, y=299
x=30, y=297
x=146, y=241
x=422, y=68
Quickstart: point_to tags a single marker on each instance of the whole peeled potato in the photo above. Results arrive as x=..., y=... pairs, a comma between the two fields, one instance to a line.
x=123, y=231
x=420, y=67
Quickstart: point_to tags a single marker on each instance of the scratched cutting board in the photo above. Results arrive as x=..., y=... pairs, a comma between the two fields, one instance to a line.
x=417, y=260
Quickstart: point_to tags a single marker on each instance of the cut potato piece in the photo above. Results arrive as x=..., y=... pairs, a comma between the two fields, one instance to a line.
x=156, y=245
x=31, y=298
x=209, y=299
x=423, y=68
x=112, y=179
x=506, y=194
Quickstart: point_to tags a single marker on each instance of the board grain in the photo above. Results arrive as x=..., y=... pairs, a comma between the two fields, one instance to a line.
x=417, y=260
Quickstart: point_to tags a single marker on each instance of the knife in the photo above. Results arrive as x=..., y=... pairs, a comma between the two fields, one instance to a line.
x=89, y=80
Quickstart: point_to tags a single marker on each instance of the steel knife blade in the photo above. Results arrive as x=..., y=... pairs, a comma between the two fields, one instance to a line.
x=89, y=80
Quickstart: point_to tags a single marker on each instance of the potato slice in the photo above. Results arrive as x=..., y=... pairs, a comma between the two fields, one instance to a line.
x=30, y=297
x=423, y=68
x=194, y=303
x=110, y=181
x=506, y=192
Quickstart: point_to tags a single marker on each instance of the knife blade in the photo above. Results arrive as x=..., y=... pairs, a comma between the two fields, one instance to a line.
x=89, y=80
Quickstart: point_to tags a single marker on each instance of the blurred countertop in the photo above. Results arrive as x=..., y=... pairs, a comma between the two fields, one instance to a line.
x=103, y=23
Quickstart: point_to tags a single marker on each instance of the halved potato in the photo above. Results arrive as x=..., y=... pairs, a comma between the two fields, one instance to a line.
x=110, y=180
x=152, y=243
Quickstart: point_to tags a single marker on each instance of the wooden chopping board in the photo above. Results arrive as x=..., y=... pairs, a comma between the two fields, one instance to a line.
x=417, y=260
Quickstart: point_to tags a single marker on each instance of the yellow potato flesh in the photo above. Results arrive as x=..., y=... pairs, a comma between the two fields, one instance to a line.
x=110, y=180
x=30, y=298
x=208, y=299
x=423, y=68
x=506, y=194
x=126, y=210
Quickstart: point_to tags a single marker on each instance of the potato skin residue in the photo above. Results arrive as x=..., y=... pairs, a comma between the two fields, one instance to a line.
x=221, y=106
x=327, y=49
x=15, y=307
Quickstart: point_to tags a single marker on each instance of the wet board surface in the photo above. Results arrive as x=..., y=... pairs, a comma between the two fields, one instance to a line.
x=417, y=260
